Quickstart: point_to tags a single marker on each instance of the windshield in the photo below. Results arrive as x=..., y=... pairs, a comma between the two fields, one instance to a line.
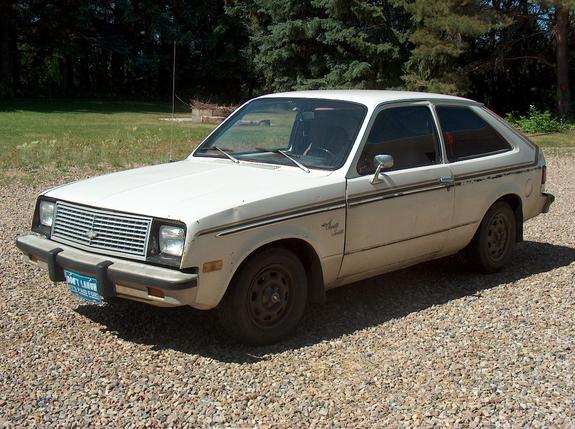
x=313, y=133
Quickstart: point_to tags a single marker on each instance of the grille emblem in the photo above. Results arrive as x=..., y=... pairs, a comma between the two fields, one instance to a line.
x=91, y=234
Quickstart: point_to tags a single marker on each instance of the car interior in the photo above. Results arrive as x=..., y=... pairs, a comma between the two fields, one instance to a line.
x=325, y=134
x=406, y=133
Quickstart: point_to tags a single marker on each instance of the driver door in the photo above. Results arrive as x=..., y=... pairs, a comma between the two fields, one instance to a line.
x=404, y=216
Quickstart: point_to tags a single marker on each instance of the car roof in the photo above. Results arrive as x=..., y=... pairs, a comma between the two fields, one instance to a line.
x=370, y=98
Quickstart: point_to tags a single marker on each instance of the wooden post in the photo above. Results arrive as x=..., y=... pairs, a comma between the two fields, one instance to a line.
x=562, y=58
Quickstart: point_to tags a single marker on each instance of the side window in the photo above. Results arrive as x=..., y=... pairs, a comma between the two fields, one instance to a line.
x=406, y=133
x=467, y=135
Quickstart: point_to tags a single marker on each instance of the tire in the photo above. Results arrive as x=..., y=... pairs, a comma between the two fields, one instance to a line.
x=266, y=299
x=492, y=247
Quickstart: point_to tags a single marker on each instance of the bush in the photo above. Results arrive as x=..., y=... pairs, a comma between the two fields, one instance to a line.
x=537, y=121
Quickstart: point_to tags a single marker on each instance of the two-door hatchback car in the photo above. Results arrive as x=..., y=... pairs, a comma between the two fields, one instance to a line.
x=293, y=194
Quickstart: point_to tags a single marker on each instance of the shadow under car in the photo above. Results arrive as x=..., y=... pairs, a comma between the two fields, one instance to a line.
x=348, y=309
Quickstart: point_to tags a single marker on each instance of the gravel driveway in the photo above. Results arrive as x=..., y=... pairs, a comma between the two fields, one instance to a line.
x=432, y=345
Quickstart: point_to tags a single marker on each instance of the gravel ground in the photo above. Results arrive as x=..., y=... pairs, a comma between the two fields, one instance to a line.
x=433, y=345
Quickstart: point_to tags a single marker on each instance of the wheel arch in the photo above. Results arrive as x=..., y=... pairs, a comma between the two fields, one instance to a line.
x=309, y=258
x=516, y=205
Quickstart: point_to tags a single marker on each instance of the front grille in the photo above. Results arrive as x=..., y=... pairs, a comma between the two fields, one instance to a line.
x=101, y=231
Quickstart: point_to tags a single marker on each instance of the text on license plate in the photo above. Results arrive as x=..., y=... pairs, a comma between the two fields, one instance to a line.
x=83, y=286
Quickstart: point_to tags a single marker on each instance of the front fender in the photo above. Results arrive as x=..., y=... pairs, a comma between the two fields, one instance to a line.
x=324, y=232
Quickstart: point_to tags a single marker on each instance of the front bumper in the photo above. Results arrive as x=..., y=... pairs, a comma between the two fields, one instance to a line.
x=115, y=277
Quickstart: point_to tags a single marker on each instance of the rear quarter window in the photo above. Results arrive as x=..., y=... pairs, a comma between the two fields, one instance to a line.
x=467, y=135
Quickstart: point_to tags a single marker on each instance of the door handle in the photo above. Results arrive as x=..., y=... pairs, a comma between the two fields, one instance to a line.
x=446, y=180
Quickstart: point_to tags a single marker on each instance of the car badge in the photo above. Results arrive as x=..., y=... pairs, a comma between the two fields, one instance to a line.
x=91, y=234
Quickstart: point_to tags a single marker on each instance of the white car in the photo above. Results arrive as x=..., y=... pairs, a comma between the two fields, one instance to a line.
x=294, y=194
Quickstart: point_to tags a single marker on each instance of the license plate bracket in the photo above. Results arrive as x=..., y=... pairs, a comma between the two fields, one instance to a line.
x=83, y=286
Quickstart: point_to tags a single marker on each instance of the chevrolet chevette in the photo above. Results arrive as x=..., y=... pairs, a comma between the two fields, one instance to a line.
x=292, y=195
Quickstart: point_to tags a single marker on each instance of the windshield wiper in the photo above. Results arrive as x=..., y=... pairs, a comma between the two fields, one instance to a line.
x=280, y=151
x=233, y=158
x=295, y=161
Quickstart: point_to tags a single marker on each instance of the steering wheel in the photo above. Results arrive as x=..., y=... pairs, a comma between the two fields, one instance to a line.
x=323, y=150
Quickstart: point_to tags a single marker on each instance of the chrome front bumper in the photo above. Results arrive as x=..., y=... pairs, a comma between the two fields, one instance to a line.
x=116, y=277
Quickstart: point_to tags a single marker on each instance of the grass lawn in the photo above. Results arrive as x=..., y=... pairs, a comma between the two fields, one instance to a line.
x=103, y=135
x=99, y=135
x=559, y=141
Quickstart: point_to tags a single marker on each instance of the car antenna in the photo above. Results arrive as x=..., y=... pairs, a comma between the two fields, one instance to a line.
x=173, y=102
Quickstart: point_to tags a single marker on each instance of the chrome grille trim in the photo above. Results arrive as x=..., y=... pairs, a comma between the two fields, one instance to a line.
x=114, y=233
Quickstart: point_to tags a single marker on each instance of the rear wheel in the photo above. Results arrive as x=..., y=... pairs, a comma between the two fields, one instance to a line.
x=266, y=299
x=492, y=246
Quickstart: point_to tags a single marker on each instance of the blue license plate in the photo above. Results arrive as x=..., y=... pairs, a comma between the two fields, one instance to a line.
x=83, y=286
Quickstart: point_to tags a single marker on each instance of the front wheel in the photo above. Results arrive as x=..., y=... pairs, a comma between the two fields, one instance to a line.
x=266, y=299
x=492, y=247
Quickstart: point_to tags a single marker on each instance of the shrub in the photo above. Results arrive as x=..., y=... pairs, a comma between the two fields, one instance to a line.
x=537, y=121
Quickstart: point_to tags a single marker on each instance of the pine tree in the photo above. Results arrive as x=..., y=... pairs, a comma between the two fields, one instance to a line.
x=325, y=43
x=439, y=34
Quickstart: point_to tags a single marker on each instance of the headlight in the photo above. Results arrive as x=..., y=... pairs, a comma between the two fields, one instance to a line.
x=46, y=213
x=172, y=240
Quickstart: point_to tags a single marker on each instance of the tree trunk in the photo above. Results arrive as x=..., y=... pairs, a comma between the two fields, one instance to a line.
x=67, y=74
x=15, y=61
x=561, y=39
x=7, y=53
x=83, y=74
x=117, y=60
x=117, y=72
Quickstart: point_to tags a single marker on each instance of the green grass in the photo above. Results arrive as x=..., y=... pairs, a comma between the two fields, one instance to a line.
x=564, y=140
x=99, y=135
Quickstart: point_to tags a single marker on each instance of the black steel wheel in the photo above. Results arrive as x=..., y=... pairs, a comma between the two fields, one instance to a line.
x=266, y=299
x=269, y=296
x=492, y=247
x=498, y=237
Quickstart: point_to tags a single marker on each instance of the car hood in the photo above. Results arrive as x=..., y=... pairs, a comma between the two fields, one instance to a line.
x=192, y=189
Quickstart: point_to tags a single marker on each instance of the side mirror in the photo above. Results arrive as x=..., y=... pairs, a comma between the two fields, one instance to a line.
x=381, y=162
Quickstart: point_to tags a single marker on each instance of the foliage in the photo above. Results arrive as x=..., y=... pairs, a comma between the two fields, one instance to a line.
x=73, y=47
x=504, y=53
x=537, y=121
x=440, y=32
x=315, y=44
